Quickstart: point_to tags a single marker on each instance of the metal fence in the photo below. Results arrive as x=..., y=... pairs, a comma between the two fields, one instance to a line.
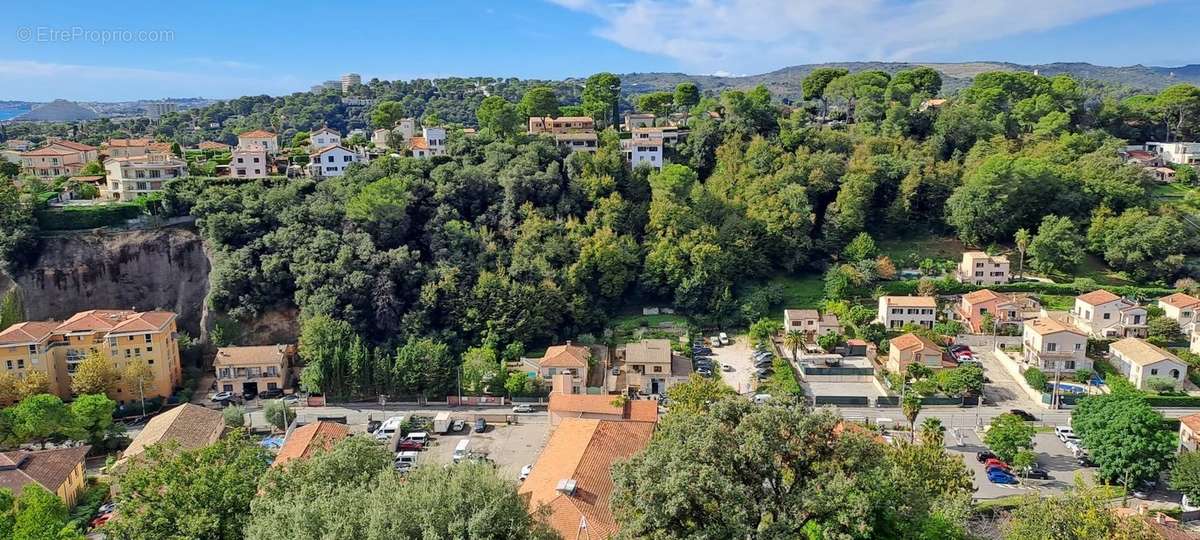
x=841, y=400
x=833, y=371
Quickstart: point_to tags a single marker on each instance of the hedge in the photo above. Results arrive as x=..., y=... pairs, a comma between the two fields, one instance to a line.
x=1173, y=401
x=945, y=286
x=87, y=217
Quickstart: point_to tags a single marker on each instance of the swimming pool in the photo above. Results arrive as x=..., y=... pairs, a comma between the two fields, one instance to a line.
x=1068, y=388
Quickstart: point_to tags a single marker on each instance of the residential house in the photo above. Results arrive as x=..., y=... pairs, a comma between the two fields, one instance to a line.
x=407, y=127
x=1054, y=346
x=666, y=134
x=56, y=349
x=568, y=358
x=132, y=177
x=1157, y=524
x=578, y=142
x=1102, y=314
x=431, y=142
x=324, y=137
x=1162, y=175
x=638, y=120
x=59, y=158
x=976, y=306
x=982, y=269
x=651, y=367
x=1189, y=433
x=253, y=369
x=59, y=471
x=912, y=349
x=380, y=137
x=1179, y=153
x=571, y=477
x=25, y=347
x=330, y=161
x=212, y=145
x=1138, y=155
x=561, y=125
x=1140, y=361
x=158, y=148
x=306, y=441
x=1182, y=308
x=643, y=152
x=20, y=145
x=260, y=137
x=897, y=311
x=123, y=148
x=811, y=323
x=187, y=426
x=250, y=162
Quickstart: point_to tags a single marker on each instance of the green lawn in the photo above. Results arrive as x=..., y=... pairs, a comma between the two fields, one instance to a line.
x=801, y=291
x=1057, y=302
x=1093, y=268
x=1169, y=191
x=923, y=247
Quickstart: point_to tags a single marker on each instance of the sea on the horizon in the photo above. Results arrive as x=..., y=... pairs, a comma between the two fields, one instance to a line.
x=9, y=114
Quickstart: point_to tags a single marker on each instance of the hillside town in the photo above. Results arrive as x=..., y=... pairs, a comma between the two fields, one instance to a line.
x=871, y=301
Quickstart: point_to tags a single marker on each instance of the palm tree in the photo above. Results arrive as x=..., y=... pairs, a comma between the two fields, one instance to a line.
x=910, y=404
x=1022, y=239
x=933, y=433
x=793, y=340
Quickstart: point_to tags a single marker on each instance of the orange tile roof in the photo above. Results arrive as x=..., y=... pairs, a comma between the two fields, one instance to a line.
x=213, y=145
x=1096, y=298
x=585, y=403
x=912, y=341
x=982, y=295
x=305, y=441
x=47, y=468
x=1180, y=300
x=1192, y=421
x=566, y=356
x=191, y=426
x=147, y=321
x=269, y=355
x=115, y=320
x=1046, y=326
x=257, y=134
x=72, y=145
x=584, y=451
x=417, y=142
x=643, y=410
x=49, y=151
x=27, y=332
x=911, y=301
x=126, y=143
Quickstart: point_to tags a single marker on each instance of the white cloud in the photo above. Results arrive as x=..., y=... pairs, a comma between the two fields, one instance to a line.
x=757, y=35
x=42, y=81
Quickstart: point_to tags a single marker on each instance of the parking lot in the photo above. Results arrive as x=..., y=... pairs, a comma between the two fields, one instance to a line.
x=737, y=356
x=509, y=446
x=1052, y=455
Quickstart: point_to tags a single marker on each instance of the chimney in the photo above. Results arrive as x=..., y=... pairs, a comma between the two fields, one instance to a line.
x=568, y=343
x=566, y=486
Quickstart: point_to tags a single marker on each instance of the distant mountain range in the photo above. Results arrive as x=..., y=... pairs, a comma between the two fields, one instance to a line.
x=786, y=82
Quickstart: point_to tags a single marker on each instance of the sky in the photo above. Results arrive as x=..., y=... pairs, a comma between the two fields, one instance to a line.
x=93, y=51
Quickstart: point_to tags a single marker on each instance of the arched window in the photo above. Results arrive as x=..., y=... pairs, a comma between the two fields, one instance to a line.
x=1174, y=373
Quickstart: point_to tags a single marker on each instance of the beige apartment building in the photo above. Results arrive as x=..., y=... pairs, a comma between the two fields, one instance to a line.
x=982, y=269
x=897, y=311
x=132, y=177
x=123, y=336
x=253, y=369
x=1051, y=346
x=59, y=158
x=123, y=148
x=259, y=137
x=250, y=163
x=651, y=367
x=561, y=125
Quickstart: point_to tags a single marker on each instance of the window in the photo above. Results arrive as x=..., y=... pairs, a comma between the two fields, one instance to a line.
x=148, y=338
x=20, y=363
x=1154, y=371
x=1069, y=364
x=272, y=386
x=33, y=349
x=256, y=160
x=1174, y=373
x=658, y=369
x=329, y=159
x=1107, y=316
x=9, y=362
x=347, y=159
x=1078, y=346
x=1051, y=346
x=227, y=387
x=128, y=353
x=241, y=160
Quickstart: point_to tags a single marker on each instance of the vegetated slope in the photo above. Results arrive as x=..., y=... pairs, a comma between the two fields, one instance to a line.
x=785, y=82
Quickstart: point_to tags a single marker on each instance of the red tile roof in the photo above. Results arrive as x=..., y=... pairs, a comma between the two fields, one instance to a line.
x=257, y=134
x=1096, y=298
x=78, y=147
x=566, y=356
x=116, y=320
x=417, y=142
x=27, y=332
x=982, y=295
x=1180, y=300
x=191, y=426
x=49, y=151
x=305, y=441
x=913, y=341
x=585, y=403
x=47, y=468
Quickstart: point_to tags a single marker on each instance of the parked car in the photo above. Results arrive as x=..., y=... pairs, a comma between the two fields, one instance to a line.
x=701, y=350
x=1000, y=477
x=419, y=437
x=764, y=363
x=727, y=368
x=522, y=408
x=409, y=444
x=373, y=425
x=724, y=338
x=222, y=396
x=403, y=467
x=291, y=400
x=715, y=341
x=249, y=394
x=107, y=508
x=957, y=347
x=480, y=425
x=996, y=463
x=1036, y=473
x=704, y=372
x=759, y=399
x=984, y=455
x=1023, y=415
x=458, y=425
x=525, y=473
x=270, y=393
x=1064, y=432
x=1084, y=461
x=1075, y=448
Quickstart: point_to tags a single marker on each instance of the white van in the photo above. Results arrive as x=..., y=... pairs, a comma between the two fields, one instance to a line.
x=460, y=451
x=759, y=399
x=407, y=457
x=388, y=428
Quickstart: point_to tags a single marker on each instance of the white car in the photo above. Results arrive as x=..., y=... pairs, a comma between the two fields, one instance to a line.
x=1064, y=432
x=715, y=341
x=222, y=396
x=522, y=407
x=525, y=472
x=723, y=338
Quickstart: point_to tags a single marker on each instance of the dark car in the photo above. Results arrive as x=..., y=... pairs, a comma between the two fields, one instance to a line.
x=984, y=456
x=701, y=350
x=1023, y=415
x=373, y=425
x=270, y=393
x=249, y=395
x=1036, y=473
x=765, y=362
x=480, y=425
x=1084, y=461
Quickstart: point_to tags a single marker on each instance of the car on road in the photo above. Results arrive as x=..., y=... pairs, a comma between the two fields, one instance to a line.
x=724, y=339
x=522, y=408
x=221, y=396
x=984, y=455
x=480, y=425
x=409, y=444
x=525, y=473
x=1064, y=432
x=995, y=463
x=270, y=393
x=1036, y=473
x=714, y=341
x=727, y=368
x=292, y=399
x=1000, y=477
x=1020, y=413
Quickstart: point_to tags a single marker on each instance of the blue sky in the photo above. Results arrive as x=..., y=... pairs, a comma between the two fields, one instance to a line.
x=83, y=51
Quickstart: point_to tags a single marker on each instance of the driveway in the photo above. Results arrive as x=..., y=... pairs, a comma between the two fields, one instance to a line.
x=737, y=356
x=1003, y=390
x=1052, y=455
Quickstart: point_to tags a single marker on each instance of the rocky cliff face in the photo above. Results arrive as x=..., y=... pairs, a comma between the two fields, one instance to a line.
x=163, y=268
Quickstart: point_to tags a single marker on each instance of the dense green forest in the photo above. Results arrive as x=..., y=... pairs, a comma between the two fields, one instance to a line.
x=508, y=242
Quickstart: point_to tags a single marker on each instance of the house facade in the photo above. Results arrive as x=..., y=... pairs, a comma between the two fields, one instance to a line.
x=980, y=268
x=59, y=158
x=577, y=142
x=651, y=367
x=123, y=148
x=1189, y=433
x=568, y=358
x=897, y=311
x=1140, y=361
x=1179, y=153
x=59, y=471
x=123, y=336
x=1181, y=307
x=324, y=137
x=253, y=369
x=250, y=162
x=643, y=152
x=561, y=125
x=330, y=161
x=1053, y=346
x=1102, y=314
x=976, y=306
x=260, y=137
x=132, y=177
x=912, y=349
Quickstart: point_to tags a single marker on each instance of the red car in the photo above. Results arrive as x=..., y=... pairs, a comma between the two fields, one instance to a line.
x=995, y=463
x=409, y=444
x=100, y=521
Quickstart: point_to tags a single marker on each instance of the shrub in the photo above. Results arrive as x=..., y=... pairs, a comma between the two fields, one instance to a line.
x=87, y=217
x=1036, y=379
